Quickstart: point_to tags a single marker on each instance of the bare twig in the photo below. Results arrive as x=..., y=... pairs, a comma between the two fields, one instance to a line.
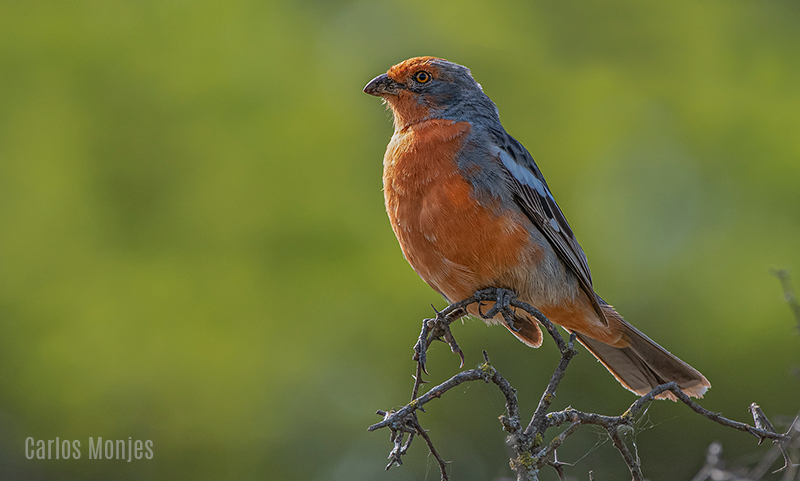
x=559, y=440
x=396, y=420
x=714, y=467
x=442, y=463
x=630, y=460
x=761, y=421
x=539, y=424
x=404, y=420
x=531, y=453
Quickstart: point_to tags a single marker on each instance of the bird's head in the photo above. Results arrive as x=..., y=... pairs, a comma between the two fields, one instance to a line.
x=423, y=88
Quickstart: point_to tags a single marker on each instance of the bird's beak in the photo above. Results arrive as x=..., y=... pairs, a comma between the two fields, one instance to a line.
x=382, y=85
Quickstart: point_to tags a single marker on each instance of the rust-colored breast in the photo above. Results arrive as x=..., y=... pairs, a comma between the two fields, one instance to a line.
x=456, y=244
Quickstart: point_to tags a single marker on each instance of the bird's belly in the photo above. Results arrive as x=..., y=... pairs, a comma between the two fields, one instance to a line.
x=456, y=244
x=457, y=241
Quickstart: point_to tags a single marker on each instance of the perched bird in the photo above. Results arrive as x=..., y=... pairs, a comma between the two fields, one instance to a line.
x=471, y=210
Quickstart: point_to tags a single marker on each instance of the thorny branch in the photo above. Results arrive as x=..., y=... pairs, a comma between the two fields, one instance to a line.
x=715, y=467
x=530, y=451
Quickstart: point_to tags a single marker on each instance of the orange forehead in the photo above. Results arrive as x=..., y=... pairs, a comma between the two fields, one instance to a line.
x=401, y=71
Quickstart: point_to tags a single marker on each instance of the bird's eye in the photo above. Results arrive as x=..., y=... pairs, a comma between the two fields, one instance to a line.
x=422, y=77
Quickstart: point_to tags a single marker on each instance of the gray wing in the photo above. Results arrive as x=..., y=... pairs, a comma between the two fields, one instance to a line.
x=537, y=203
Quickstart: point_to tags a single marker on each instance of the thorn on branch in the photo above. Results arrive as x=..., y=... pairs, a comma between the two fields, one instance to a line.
x=558, y=466
x=761, y=422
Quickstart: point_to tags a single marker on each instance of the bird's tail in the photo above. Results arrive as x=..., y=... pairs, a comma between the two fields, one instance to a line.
x=643, y=364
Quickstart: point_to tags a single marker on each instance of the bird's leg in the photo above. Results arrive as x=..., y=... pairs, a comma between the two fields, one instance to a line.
x=502, y=305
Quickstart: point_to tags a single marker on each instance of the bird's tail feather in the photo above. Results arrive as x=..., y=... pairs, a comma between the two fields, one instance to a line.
x=643, y=364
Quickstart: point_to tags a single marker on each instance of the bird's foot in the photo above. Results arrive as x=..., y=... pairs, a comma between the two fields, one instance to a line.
x=502, y=305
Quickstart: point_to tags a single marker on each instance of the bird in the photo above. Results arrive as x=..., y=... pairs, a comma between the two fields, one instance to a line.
x=471, y=210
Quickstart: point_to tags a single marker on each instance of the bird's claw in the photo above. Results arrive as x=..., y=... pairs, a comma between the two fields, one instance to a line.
x=502, y=305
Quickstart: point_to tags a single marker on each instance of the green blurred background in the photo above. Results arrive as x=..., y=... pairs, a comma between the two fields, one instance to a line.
x=194, y=250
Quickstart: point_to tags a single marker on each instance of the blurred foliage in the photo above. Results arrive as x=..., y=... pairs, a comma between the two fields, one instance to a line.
x=194, y=250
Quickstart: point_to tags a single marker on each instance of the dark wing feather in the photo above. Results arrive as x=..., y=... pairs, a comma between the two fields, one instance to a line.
x=534, y=198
